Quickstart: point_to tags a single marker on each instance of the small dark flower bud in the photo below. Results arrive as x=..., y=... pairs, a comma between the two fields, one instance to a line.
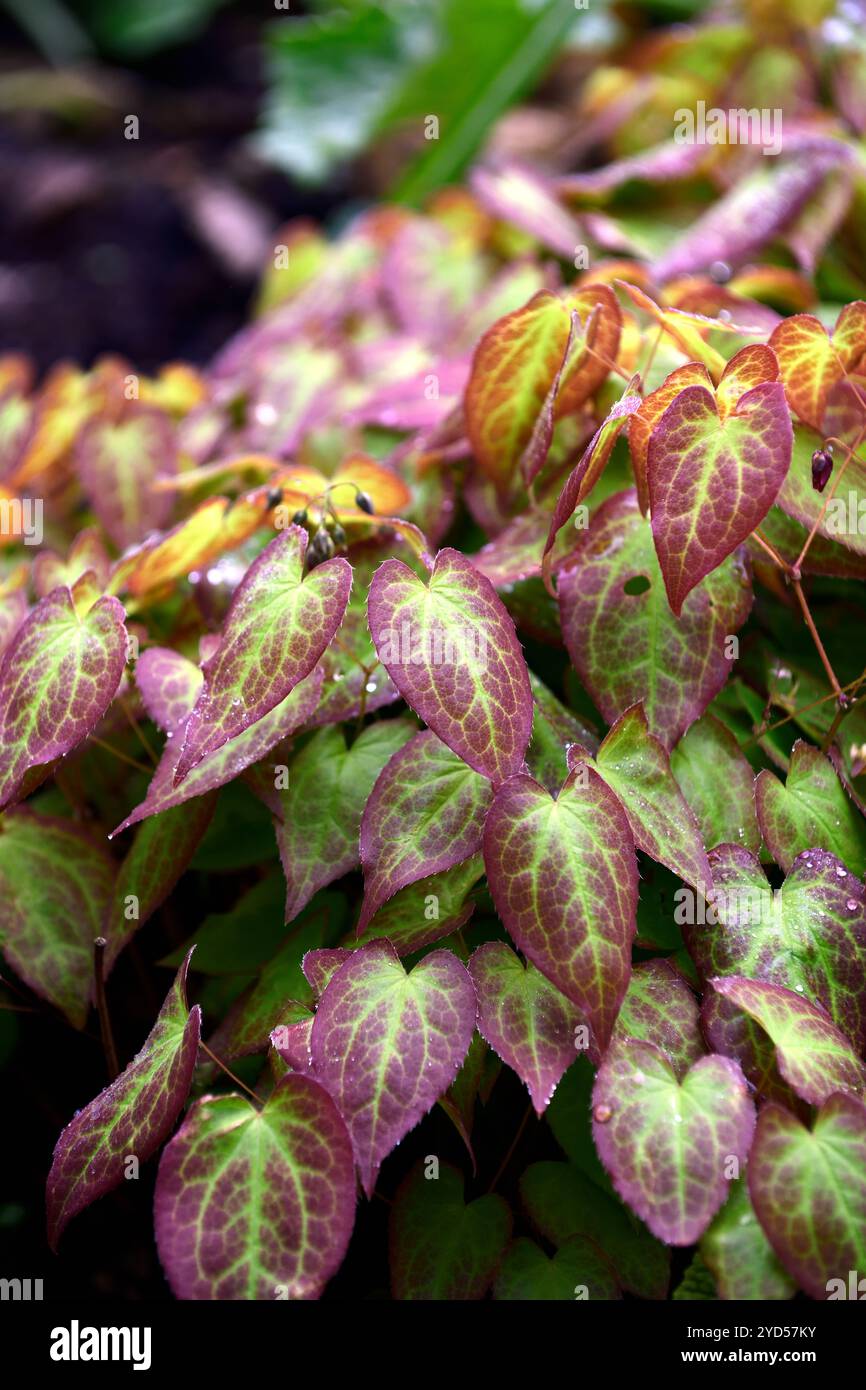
x=274, y=497
x=822, y=467
x=300, y=519
x=365, y=502
x=338, y=534
x=321, y=548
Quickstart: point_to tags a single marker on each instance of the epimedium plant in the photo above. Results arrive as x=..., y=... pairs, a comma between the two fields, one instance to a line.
x=524, y=607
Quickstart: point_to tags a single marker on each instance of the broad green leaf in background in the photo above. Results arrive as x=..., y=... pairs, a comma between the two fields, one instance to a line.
x=741, y=1258
x=270, y=1210
x=425, y=815
x=667, y=1143
x=427, y=910
x=578, y=1270
x=717, y=783
x=55, y=885
x=441, y=1247
x=159, y=855
x=811, y=809
x=561, y=1202
x=329, y=785
x=131, y=1118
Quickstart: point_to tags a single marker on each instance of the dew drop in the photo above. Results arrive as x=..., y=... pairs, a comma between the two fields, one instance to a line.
x=840, y=872
x=602, y=1114
x=851, y=905
x=678, y=1119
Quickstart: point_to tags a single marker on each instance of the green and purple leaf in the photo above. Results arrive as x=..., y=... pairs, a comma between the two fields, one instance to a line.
x=526, y=1021
x=279, y=623
x=739, y=1256
x=563, y=875
x=809, y=936
x=715, y=464
x=58, y=676
x=636, y=767
x=119, y=462
x=667, y=1143
x=387, y=1045
x=424, y=815
x=717, y=782
x=55, y=886
x=660, y=1008
x=813, y=1056
x=811, y=809
x=231, y=759
x=256, y=1204
x=625, y=643
x=131, y=1118
x=808, y=1187
x=451, y=650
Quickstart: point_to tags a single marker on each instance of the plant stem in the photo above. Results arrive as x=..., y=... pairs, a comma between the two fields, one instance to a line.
x=512, y=1146
x=108, y=1047
x=236, y=1079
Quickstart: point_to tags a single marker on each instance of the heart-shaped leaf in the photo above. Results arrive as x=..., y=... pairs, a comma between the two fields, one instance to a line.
x=451, y=650
x=561, y=1202
x=738, y=1254
x=668, y=1144
x=526, y=1021
x=279, y=623
x=272, y=1206
x=717, y=782
x=119, y=464
x=812, y=1055
x=809, y=1191
x=660, y=1008
x=811, y=809
x=58, y=676
x=714, y=470
x=808, y=936
x=55, y=884
x=217, y=525
x=425, y=814
x=578, y=1270
x=130, y=1119
x=231, y=759
x=637, y=768
x=563, y=875
x=625, y=643
x=811, y=360
x=328, y=788
x=442, y=1248
x=386, y=1044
